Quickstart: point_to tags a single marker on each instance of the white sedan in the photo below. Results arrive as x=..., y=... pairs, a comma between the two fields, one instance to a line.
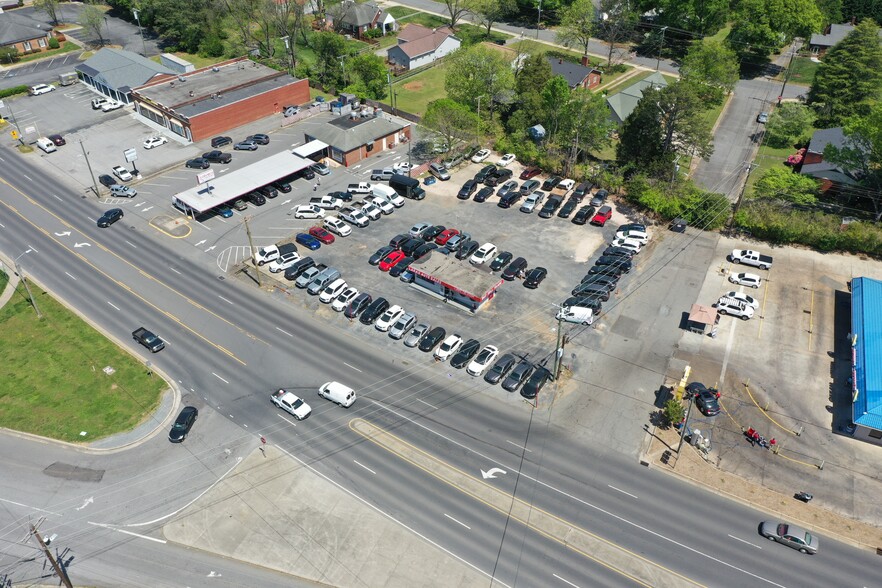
x=154, y=142
x=41, y=89
x=337, y=226
x=450, y=346
x=486, y=252
x=506, y=159
x=291, y=403
x=122, y=173
x=481, y=155
x=342, y=301
x=746, y=279
x=632, y=234
x=633, y=244
x=740, y=296
x=484, y=359
x=389, y=318
x=402, y=167
x=111, y=105
x=308, y=211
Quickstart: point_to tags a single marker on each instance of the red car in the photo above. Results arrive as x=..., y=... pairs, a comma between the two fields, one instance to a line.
x=322, y=235
x=445, y=236
x=530, y=172
x=390, y=260
x=603, y=215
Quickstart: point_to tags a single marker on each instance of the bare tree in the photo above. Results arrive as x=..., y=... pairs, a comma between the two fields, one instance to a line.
x=50, y=7
x=458, y=9
x=617, y=21
x=289, y=20
x=92, y=19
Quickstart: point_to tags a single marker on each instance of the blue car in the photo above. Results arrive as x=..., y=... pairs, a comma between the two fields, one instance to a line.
x=430, y=180
x=308, y=241
x=225, y=211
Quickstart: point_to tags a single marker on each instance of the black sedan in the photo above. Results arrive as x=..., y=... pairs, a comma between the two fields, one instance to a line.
x=110, y=217
x=500, y=261
x=551, y=206
x=465, y=354
x=183, y=424
x=431, y=339
x=106, y=180
x=584, y=215
x=534, y=385
x=567, y=209
x=217, y=157
x=517, y=376
x=707, y=399
x=411, y=245
x=399, y=268
x=500, y=369
x=483, y=194
x=344, y=196
x=372, y=312
x=467, y=190
x=591, y=302
x=432, y=232
x=535, y=277
x=485, y=171
x=424, y=249
x=619, y=262
x=509, y=200
x=608, y=270
x=467, y=248
x=282, y=186
x=623, y=252
x=380, y=254
x=198, y=163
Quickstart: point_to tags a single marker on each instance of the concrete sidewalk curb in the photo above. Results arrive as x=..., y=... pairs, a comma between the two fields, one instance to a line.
x=9, y=270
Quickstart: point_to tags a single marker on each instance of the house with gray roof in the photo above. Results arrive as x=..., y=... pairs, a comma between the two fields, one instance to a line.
x=623, y=103
x=355, y=19
x=23, y=34
x=115, y=72
x=353, y=138
x=577, y=75
x=814, y=165
x=820, y=43
x=419, y=45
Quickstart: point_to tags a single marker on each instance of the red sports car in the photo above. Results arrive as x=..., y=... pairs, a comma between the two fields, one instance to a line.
x=530, y=172
x=603, y=215
x=390, y=260
x=322, y=235
x=445, y=236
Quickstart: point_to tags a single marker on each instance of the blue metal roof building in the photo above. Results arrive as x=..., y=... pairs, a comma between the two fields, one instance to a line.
x=866, y=341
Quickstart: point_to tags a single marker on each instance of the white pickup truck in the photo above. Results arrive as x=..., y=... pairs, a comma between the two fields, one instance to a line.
x=751, y=257
x=291, y=403
x=359, y=188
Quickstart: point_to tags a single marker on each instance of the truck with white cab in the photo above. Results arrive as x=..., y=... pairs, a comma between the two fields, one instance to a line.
x=359, y=188
x=291, y=403
x=751, y=257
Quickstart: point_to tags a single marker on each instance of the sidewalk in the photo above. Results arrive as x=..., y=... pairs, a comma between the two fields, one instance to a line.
x=6, y=267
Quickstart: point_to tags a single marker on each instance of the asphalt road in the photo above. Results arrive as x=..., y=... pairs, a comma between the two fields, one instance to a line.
x=228, y=346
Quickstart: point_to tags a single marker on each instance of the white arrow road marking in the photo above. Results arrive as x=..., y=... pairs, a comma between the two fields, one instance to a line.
x=82, y=245
x=86, y=503
x=288, y=201
x=148, y=208
x=63, y=234
x=210, y=248
x=202, y=242
x=491, y=473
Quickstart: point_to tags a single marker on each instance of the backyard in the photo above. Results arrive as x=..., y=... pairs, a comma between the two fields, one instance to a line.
x=467, y=33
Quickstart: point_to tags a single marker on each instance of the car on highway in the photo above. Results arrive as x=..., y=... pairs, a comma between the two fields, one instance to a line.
x=790, y=535
x=514, y=269
x=321, y=234
x=308, y=211
x=707, y=399
x=389, y=318
x=583, y=215
x=183, y=424
x=534, y=277
x=337, y=226
x=342, y=301
x=500, y=369
x=217, y=157
x=391, y=259
x=603, y=215
x=416, y=334
x=530, y=173
x=110, y=217
x=532, y=202
x=291, y=403
x=430, y=339
x=741, y=296
x=245, y=146
x=506, y=159
x=380, y=254
x=151, y=142
x=518, y=375
x=402, y=325
x=485, y=253
x=537, y=381
x=450, y=346
x=746, y=279
x=198, y=163
x=40, y=89
x=308, y=241
x=502, y=259
x=357, y=305
x=482, y=361
x=122, y=173
x=465, y=354
x=373, y=311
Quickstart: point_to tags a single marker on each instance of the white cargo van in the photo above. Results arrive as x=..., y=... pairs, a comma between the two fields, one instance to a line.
x=46, y=145
x=576, y=314
x=388, y=194
x=337, y=392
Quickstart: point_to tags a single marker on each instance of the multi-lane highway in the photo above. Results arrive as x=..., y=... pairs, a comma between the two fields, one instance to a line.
x=230, y=343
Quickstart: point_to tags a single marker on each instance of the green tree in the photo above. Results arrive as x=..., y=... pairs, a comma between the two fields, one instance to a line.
x=795, y=18
x=752, y=31
x=8, y=55
x=529, y=81
x=368, y=74
x=704, y=17
x=832, y=10
x=586, y=126
x=489, y=12
x=453, y=121
x=555, y=96
x=862, y=154
x=92, y=19
x=849, y=79
x=50, y=7
x=329, y=47
x=712, y=66
x=577, y=25
x=788, y=123
x=615, y=24
x=673, y=412
x=478, y=75
x=781, y=183
x=182, y=23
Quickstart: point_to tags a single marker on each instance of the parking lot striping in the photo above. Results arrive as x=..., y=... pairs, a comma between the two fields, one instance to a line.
x=565, y=581
x=224, y=299
x=283, y=331
x=163, y=541
x=70, y=276
x=352, y=366
x=114, y=305
x=176, y=271
x=622, y=491
x=426, y=403
x=132, y=244
x=457, y=522
x=365, y=467
x=521, y=447
x=219, y=378
x=745, y=541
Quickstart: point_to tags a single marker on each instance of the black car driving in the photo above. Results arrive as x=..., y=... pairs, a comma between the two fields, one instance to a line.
x=183, y=424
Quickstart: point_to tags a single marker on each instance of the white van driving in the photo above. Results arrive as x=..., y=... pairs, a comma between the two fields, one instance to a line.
x=337, y=392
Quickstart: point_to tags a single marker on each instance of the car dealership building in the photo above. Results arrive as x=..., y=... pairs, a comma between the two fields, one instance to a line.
x=455, y=281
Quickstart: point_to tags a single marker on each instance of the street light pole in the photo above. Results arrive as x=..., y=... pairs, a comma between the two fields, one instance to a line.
x=287, y=41
x=787, y=73
x=662, y=46
x=140, y=30
x=539, y=20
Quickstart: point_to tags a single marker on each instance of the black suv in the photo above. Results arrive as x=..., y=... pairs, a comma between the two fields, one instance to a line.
x=268, y=191
x=486, y=171
x=551, y=183
x=221, y=141
x=217, y=157
x=584, y=215
x=260, y=139
x=551, y=206
x=398, y=240
x=300, y=266
x=516, y=267
x=282, y=186
x=357, y=304
x=467, y=189
x=256, y=198
x=373, y=311
x=509, y=200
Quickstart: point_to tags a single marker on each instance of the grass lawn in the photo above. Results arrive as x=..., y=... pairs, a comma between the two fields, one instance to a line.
x=721, y=34
x=802, y=71
x=53, y=383
x=415, y=92
x=766, y=159
x=387, y=41
x=467, y=33
x=66, y=47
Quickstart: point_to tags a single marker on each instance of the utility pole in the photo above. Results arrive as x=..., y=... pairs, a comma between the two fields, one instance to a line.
x=558, y=349
x=409, y=162
x=539, y=20
x=750, y=167
x=662, y=46
x=89, y=165
x=140, y=30
x=15, y=122
x=24, y=281
x=787, y=73
x=683, y=428
x=253, y=252
x=59, y=569
x=391, y=94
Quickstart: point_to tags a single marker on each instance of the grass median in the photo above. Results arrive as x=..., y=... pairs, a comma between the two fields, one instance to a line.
x=54, y=380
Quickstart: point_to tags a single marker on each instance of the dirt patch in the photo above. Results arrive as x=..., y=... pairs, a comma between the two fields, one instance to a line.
x=414, y=86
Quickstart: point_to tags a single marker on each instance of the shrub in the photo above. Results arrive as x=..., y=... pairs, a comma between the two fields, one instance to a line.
x=211, y=46
x=53, y=43
x=13, y=91
x=8, y=54
x=684, y=199
x=373, y=33
x=673, y=412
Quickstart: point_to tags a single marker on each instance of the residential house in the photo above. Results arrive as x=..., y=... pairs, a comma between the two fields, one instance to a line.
x=623, y=103
x=357, y=19
x=821, y=42
x=23, y=34
x=814, y=165
x=419, y=45
x=353, y=139
x=577, y=75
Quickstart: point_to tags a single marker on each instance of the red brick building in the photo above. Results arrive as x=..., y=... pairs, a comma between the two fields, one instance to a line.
x=352, y=138
x=212, y=100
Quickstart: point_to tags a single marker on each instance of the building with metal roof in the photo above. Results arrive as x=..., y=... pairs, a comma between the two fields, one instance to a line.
x=115, y=72
x=455, y=281
x=866, y=357
x=352, y=138
x=623, y=103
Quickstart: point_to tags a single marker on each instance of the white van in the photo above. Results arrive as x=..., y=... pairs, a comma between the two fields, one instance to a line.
x=337, y=392
x=46, y=145
x=576, y=314
x=388, y=194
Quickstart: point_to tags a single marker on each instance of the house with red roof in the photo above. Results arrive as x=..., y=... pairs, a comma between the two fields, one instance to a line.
x=419, y=45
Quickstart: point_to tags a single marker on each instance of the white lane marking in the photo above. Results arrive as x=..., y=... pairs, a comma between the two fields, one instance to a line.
x=282, y=331
x=224, y=299
x=57, y=514
x=565, y=581
x=28, y=179
x=519, y=446
x=58, y=198
x=129, y=533
x=176, y=271
x=132, y=244
x=365, y=467
x=427, y=404
x=579, y=500
x=745, y=541
x=70, y=276
x=286, y=419
x=114, y=305
x=353, y=367
x=219, y=378
x=620, y=490
x=391, y=518
x=457, y=522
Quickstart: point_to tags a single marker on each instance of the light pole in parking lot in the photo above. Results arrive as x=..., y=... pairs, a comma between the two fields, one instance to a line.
x=140, y=30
